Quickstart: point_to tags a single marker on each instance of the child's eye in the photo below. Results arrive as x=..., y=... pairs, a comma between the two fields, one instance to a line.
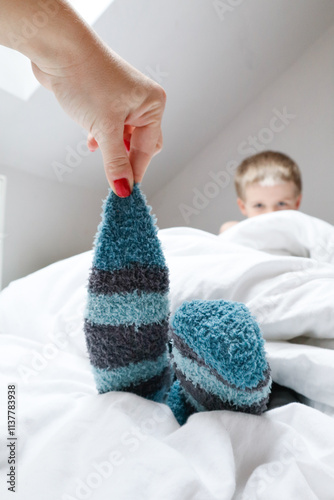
x=281, y=204
x=258, y=205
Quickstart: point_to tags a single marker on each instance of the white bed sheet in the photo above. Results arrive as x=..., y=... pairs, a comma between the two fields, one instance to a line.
x=74, y=443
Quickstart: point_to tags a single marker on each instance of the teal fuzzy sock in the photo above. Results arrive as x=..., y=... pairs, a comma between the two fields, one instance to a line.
x=218, y=358
x=127, y=311
x=217, y=348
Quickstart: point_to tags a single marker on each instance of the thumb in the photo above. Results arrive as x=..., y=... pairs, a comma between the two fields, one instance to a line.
x=116, y=163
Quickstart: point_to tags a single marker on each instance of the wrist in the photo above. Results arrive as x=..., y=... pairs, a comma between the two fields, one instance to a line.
x=64, y=45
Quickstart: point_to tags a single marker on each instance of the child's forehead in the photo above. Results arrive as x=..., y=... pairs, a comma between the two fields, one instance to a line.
x=265, y=188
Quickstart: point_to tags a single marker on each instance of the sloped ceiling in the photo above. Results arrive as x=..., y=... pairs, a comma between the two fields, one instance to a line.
x=211, y=57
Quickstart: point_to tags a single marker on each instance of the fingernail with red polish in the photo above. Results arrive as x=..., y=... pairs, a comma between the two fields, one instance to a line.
x=122, y=187
x=127, y=144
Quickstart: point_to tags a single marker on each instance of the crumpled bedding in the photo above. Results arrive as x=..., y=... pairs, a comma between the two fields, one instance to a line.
x=76, y=444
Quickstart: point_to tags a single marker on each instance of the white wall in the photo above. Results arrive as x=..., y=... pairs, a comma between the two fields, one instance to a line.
x=306, y=91
x=45, y=221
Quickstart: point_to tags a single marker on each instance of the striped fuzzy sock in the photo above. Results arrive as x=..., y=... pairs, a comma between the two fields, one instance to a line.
x=219, y=359
x=127, y=310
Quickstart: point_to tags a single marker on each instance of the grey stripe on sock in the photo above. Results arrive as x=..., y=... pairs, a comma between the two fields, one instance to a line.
x=137, y=277
x=115, y=346
x=213, y=402
x=151, y=386
x=187, y=352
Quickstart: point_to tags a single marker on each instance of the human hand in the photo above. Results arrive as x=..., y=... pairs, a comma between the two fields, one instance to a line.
x=227, y=225
x=120, y=107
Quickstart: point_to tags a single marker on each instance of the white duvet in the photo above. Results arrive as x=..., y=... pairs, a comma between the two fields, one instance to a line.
x=75, y=444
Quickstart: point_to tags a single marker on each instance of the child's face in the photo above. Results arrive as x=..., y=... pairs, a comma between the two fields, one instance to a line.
x=264, y=199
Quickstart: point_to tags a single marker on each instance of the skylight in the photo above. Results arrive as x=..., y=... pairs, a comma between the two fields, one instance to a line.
x=18, y=78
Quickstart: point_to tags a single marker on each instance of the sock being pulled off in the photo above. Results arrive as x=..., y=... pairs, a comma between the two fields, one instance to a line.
x=127, y=310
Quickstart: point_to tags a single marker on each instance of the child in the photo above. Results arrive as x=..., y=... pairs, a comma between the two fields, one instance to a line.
x=266, y=182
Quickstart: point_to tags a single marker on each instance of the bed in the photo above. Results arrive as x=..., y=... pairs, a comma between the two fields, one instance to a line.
x=73, y=443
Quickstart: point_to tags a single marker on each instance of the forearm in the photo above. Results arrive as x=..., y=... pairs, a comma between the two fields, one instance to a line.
x=48, y=32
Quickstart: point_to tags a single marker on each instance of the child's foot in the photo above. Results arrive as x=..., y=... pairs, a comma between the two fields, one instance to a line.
x=127, y=311
x=219, y=359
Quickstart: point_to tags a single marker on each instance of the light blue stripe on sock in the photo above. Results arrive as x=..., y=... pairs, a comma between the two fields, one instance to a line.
x=120, y=378
x=201, y=376
x=127, y=308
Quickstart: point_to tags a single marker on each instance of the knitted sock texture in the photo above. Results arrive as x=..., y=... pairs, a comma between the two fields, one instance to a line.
x=219, y=359
x=217, y=349
x=127, y=309
x=178, y=402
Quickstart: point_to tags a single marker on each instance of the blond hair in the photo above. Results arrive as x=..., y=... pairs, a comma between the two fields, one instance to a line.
x=267, y=168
